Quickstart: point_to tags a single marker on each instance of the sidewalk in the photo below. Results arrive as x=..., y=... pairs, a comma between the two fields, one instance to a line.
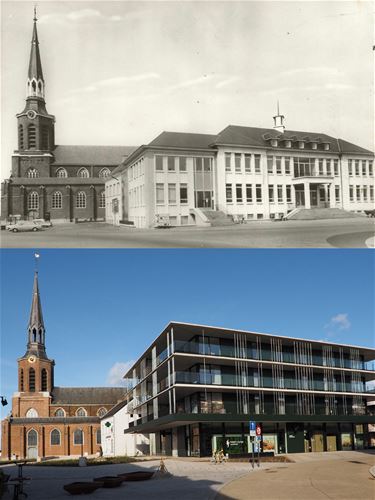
x=316, y=476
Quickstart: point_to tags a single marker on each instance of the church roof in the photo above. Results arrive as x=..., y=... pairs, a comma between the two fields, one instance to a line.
x=91, y=155
x=35, y=65
x=87, y=395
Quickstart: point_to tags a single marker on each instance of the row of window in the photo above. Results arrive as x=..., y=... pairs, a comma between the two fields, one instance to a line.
x=178, y=163
x=31, y=137
x=55, y=437
x=182, y=191
x=300, y=143
x=361, y=193
x=60, y=412
x=361, y=167
x=136, y=170
x=136, y=197
x=250, y=192
x=57, y=200
x=61, y=172
x=242, y=162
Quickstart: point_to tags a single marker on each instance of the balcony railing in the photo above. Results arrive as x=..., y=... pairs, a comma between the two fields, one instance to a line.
x=265, y=355
x=266, y=382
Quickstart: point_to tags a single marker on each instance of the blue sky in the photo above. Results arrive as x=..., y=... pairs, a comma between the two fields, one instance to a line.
x=102, y=308
x=122, y=72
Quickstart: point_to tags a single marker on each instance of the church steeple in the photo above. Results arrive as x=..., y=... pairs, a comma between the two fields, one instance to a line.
x=36, y=127
x=35, y=329
x=35, y=80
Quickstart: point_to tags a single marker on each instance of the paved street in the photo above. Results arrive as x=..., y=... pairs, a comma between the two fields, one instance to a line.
x=315, y=476
x=337, y=233
x=190, y=480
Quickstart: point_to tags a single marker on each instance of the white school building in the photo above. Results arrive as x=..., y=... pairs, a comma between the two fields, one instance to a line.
x=245, y=173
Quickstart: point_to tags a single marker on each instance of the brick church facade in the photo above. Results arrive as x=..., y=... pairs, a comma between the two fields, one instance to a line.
x=46, y=420
x=47, y=180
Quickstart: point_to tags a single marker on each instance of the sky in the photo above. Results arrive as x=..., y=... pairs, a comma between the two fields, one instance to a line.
x=119, y=73
x=103, y=308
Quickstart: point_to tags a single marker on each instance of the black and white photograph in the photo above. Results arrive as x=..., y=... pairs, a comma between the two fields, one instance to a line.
x=227, y=124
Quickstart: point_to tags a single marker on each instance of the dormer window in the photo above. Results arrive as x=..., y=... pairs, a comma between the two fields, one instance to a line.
x=301, y=144
x=288, y=144
x=274, y=142
x=326, y=146
x=314, y=145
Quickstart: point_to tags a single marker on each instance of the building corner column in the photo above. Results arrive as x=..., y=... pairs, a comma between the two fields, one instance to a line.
x=306, y=187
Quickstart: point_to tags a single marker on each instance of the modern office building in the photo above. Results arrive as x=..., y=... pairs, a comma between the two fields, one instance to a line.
x=49, y=181
x=243, y=172
x=47, y=420
x=197, y=387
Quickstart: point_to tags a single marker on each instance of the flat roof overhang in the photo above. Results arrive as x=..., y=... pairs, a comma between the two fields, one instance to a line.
x=367, y=352
x=176, y=420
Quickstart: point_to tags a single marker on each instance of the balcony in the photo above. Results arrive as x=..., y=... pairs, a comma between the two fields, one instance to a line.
x=266, y=355
x=266, y=382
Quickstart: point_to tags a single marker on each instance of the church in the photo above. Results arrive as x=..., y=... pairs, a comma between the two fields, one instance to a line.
x=49, y=181
x=46, y=420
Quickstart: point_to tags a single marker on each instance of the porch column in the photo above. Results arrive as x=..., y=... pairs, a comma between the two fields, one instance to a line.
x=306, y=187
x=332, y=195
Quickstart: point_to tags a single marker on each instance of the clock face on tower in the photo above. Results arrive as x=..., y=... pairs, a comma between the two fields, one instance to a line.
x=31, y=359
x=31, y=114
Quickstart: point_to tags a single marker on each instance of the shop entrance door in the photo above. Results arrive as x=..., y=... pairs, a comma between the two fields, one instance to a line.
x=317, y=442
x=331, y=443
x=300, y=198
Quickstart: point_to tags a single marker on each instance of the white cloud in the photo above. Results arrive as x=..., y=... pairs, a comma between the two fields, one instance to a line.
x=83, y=14
x=117, y=371
x=192, y=82
x=339, y=322
x=227, y=81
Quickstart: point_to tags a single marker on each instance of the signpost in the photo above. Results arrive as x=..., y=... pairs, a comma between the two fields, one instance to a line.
x=252, y=427
x=258, y=432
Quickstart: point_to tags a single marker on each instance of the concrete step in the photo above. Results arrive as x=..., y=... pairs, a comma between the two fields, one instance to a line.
x=322, y=213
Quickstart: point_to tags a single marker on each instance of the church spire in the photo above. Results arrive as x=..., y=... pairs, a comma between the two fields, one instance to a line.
x=35, y=80
x=279, y=120
x=36, y=329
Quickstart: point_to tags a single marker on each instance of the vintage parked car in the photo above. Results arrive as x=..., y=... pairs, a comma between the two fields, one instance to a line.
x=43, y=223
x=24, y=225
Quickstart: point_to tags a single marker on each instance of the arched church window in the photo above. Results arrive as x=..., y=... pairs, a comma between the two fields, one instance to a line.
x=60, y=412
x=31, y=136
x=57, y=200
x=31, y=380
x=32, y=173
x=21, y=380
x=102, y=200
x=81, y=412
x=31, y=413
x=104, y=172
x=84, y=173
x=20, y=136
x=102, y=412
x=44, y=379
x=33, y=201
x=45, y=138
x=55, y=437
x=81, y=200
x=32, y=438
x=61, y=172
x=33, y=84
x=78, y=436
x=40, y=85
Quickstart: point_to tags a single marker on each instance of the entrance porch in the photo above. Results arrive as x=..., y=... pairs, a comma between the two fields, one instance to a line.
x=314, y=195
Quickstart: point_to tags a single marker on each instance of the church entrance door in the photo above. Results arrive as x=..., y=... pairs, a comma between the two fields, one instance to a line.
x=32, y=444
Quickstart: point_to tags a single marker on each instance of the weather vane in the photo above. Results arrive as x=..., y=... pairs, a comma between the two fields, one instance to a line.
x=36, y=258
x=35, y=19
